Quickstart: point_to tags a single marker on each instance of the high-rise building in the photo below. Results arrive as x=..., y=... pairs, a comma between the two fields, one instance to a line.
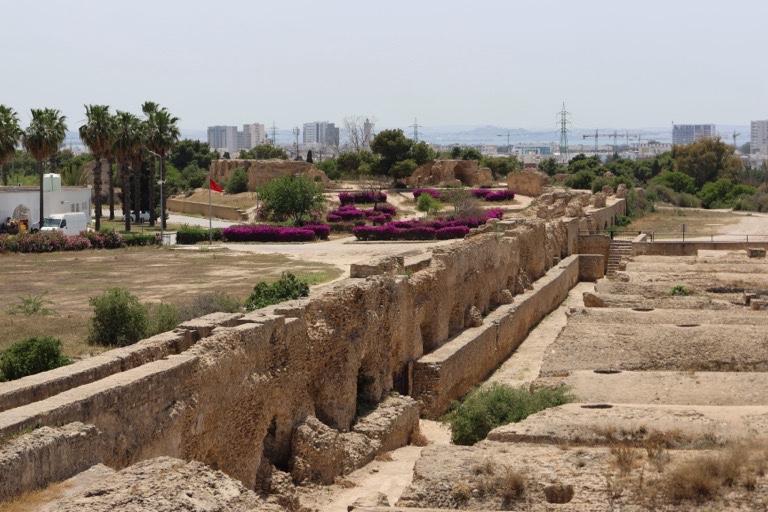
x=758, y=142
x=690, y=133
x=223, y=138
x=321, y=132
x=254, y=134
x=367, y=133
x=228, y=138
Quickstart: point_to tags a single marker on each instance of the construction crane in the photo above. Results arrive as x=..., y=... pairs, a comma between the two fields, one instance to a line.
x=615, y=136
x=596, y=136
x=734, y=139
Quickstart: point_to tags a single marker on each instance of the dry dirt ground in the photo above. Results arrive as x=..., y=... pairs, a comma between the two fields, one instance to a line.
x=672, y=409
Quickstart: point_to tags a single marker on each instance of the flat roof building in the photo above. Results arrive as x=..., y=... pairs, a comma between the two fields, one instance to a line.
x=690, y=133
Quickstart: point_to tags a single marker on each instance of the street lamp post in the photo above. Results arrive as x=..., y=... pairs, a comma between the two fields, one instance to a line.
x=162, y=204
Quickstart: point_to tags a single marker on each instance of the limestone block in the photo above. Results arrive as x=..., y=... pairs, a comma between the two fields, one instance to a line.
x=528, y=183
x=599, y=200
x=450, y=173
x=593, y=301
x=621, y=191
x=756, y=252
x=474, y=317
x=506, y=297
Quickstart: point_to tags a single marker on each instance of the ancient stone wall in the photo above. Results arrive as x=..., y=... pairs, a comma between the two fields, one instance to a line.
x=228, y=390
x=690, y=248
x=528, y=183
x=450, y=173
x=263, y=171
x=217, y=211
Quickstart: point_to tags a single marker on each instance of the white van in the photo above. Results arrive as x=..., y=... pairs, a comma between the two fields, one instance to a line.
x=68, y=223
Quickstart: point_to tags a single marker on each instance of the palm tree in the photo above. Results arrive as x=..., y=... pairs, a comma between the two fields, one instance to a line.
x=10, y=135
x=163, y=135
x=97, y=134
x=126, y=143
x=150, y=111
x=42, y=139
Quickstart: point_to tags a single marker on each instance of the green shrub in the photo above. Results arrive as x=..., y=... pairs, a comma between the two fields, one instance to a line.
x=237, y=183
x=190, y=235
x=288, y=287
x=161, y=317
x=30, y=356
x=31, y=305
x=428, y=204
x=140, y=239
x=680, y=291
x=488, y=407
x=118, y=319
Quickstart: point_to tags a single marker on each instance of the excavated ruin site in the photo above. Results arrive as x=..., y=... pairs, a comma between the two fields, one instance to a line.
x=666, y=355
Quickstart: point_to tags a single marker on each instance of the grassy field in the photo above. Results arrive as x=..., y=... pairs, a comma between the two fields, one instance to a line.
x=669, y=221
x=65, y=281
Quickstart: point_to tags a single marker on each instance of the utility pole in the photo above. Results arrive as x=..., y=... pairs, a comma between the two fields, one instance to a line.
x=564, y=122
x=296, y=132
x=415, y=127
x=274, y=134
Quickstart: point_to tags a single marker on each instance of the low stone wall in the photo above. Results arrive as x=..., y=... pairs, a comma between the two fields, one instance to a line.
x=450, y=173
x=217, y=211
x=450, y=371
x=38, y=387
x=690, y=248
x=46, y=455
x=596, y=244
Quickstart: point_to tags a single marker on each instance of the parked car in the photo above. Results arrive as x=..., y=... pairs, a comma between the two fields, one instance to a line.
x=143, y=217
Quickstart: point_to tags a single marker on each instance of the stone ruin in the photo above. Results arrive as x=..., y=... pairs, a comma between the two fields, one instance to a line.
x=267, y=396
x=450, y=173
x=263, y=171
x=529, y=183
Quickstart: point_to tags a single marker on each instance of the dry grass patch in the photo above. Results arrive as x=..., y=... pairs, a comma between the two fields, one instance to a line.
x=68, y=280
x=669, y=221
x=417, y=438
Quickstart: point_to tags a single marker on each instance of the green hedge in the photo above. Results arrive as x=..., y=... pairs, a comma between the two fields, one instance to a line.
x=30, y=356
x=190, y=235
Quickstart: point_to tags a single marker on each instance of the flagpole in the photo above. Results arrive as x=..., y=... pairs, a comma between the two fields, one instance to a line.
x=210, y=215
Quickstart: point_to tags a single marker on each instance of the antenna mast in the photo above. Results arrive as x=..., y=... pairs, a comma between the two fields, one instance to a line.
x=564, y=122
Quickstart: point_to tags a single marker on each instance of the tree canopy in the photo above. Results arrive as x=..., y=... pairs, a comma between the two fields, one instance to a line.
x=706, y=160
x=292, y=197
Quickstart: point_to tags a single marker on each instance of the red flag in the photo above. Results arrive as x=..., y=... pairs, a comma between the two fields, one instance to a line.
x=215, y=186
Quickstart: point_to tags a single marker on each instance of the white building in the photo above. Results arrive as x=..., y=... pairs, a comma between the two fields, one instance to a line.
x=23, y=203
x=223, y=138
x=321, y=132
x=758, y=142
x=254, y=134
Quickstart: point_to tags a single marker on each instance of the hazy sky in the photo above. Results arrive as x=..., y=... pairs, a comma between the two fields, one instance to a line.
x=511, y=63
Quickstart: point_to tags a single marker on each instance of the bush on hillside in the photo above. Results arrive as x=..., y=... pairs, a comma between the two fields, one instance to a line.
x=288, y=287
x=237, y=183
x=190, y=235
x=30, y=356
x=119, y=319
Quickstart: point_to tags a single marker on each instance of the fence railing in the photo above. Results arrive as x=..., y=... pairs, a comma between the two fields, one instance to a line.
x=679, y=235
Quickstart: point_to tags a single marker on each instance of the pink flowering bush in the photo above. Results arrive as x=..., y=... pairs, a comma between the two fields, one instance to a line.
x=362, y=197
x=264, y=233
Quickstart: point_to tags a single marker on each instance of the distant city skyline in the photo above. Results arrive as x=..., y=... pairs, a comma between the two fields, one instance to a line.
x=509, y=64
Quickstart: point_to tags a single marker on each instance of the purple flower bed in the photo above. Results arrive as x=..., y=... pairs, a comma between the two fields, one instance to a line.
x=419, y=229
x=451, y=232
x=49, y=241
x=263, y=233
x=321, y=230
x=434, y=193
x=351, y=213
x=363, y=197
x=493, y=195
